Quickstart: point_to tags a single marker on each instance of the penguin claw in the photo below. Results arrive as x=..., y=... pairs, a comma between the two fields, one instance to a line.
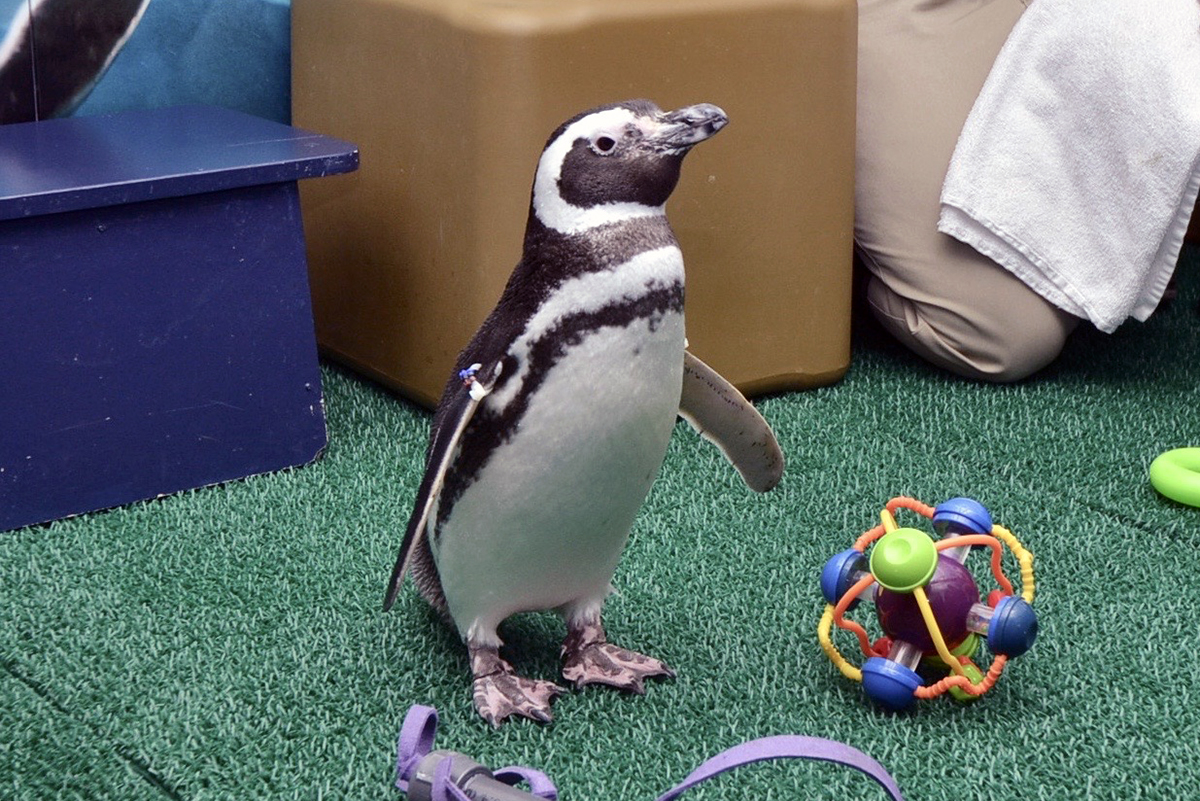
x=611, y=665
x=501, y=695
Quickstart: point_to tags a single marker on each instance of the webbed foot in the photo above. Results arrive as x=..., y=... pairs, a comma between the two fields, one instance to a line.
x=588, y=658
x=500, y=693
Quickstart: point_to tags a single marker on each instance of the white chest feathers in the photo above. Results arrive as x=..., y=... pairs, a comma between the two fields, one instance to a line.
x=545, y=521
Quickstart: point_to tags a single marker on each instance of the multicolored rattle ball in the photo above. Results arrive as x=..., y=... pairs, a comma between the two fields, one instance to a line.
x=928, y=605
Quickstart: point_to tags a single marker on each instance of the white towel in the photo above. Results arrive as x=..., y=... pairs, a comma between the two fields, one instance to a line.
x=1079, y=164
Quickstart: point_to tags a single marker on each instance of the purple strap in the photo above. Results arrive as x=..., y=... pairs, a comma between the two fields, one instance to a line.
x=420, y=727
x=787, y=746
x=539, y=783
x=443, y=789
x=416, y=740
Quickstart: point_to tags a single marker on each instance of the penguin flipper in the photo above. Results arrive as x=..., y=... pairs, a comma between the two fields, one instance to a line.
x=66, y=70
x=722, y=415
x=456, y=414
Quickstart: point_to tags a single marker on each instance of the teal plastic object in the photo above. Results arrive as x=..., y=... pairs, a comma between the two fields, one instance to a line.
x=1176, y=475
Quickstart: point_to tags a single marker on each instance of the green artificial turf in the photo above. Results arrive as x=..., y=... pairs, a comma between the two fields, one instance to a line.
x=228, y=642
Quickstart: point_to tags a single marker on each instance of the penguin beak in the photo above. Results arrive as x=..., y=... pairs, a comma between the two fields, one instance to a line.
x=678, y=131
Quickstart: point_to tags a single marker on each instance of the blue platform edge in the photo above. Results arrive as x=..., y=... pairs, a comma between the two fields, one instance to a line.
x=87, y=162
x=155, y=313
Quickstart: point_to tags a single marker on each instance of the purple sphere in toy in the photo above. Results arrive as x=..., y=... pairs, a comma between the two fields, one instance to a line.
x=951, y=593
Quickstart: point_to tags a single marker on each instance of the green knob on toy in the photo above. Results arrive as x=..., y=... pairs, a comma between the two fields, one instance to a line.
x=903, y=560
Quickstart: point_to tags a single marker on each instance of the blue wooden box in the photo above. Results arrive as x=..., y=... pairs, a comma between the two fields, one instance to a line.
x=156, y=329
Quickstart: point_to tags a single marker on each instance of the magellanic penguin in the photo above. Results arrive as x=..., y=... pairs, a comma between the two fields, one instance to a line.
x=557, y=416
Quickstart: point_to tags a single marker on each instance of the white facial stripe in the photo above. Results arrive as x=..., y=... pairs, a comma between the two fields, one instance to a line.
x=569, y=219
x=559, y=215
x=649, y=270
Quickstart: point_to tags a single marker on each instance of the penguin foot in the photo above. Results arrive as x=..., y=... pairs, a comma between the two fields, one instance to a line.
x=499, y=692
x=589, y=659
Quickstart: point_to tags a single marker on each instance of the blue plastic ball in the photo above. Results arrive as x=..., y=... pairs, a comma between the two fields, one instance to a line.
x=1013, y=628
x=961, y=516
x=889, y=684
x=837, y=577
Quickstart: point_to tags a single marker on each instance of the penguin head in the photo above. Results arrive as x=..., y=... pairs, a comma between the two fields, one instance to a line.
x=616, y=162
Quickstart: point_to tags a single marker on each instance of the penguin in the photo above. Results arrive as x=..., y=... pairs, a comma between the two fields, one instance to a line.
x=55, y=51
x=556, y=418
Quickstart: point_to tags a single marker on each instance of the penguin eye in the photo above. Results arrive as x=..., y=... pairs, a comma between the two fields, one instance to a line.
x=604, y=145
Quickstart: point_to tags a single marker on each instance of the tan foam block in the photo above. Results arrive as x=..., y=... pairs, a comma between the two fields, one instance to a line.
x=451, y=102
